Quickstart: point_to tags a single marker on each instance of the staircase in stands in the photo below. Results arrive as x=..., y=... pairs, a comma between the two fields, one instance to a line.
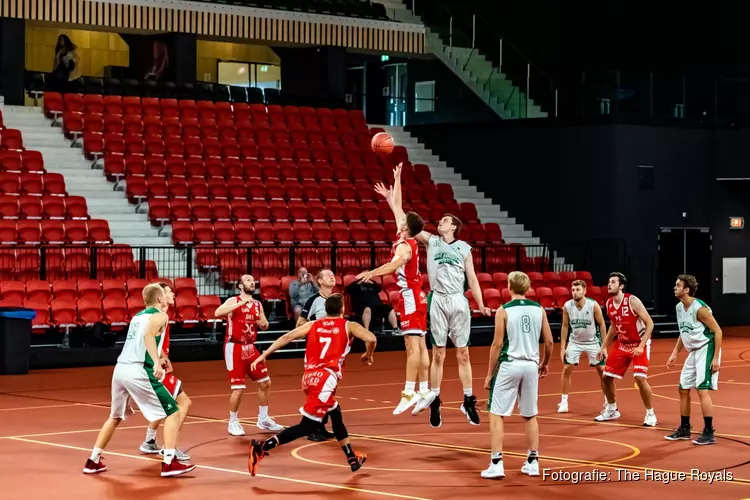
x=479, y=73
x=104, y=201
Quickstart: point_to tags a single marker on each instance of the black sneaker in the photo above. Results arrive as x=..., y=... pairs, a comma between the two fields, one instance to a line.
x=356, y=462
x=680, y=433
x=706, y=437
x=435, y=419
x=469, y=408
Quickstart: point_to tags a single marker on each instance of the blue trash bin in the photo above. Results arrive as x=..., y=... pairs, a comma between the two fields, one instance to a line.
x=15, y=339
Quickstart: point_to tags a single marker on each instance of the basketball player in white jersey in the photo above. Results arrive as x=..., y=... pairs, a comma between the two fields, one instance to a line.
x=515, y=370
x=583, y=318
x=137, y=377
x=701, y=335
x=449, y=266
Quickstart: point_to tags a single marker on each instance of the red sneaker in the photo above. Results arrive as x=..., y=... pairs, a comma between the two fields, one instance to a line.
x=94, y=467
x=176, y=468
x=256, y=455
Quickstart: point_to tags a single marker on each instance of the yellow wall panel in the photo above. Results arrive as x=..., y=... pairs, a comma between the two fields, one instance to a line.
x=209, y=53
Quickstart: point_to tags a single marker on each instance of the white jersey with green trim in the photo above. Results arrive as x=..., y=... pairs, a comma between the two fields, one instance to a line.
x=582, y=323
x=445, y=265
x=693, y=332
x=134, y=349
x=523, y=330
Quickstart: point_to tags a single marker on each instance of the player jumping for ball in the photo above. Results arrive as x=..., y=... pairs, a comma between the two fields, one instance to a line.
x=449, y=266
x=701, y=335
x=328, y=342
x=632, y=325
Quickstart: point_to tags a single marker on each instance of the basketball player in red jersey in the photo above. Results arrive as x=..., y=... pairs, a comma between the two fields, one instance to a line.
x=632, y=325
x=244, y=316
x=412, y=307
x=328, y=341
x=173, y=385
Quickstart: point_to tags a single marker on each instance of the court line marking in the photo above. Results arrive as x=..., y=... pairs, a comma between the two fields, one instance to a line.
x=698, y=403
x=430, y=444
x=231, y=471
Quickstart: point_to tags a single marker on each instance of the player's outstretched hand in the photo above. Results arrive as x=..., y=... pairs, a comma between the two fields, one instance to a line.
x=366, y=360
x=637, y=351
x=263, y=323
x=543, y=371
x=383, y=191
x=397, y=171
x=715, y=365
x=158, y=370
x=254, y=365
x=602, y=354
x=671, y=360
x=486, y=311
x=488, y=382
x=364, y=277
x=167, y=365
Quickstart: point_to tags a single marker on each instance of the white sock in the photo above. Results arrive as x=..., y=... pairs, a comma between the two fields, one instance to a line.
x=150, y=435
x=262, y=412
x=168, y=456
x=467, y=392
x=436, y=390
x=409, y=387
x=95, y=454
x=649, y=411
x=564, y=398
x=424, y=387
x=612, y=406
x=233, y=416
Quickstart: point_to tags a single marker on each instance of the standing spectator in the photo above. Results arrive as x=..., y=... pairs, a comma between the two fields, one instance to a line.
x=367, y=304
x=301, y=289
x=66, y=68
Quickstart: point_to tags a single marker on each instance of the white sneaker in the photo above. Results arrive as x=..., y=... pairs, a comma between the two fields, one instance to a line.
x=562, y=407
x=267, y=424
x=531, y=468
x=424, y=402
x=494, y=471
x=178, y=454
x=607, y=415
x=150, y=447
x=235, y=428
x=407, y=400
x=650, y=420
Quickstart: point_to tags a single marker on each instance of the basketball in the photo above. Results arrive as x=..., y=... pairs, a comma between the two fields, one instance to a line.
x=382, y=143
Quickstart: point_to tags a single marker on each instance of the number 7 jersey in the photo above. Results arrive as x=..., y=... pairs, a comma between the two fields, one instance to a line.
x=328, y=343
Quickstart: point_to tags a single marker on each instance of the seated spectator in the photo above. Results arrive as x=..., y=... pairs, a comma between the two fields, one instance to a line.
x=367, y=304
x=301, y=289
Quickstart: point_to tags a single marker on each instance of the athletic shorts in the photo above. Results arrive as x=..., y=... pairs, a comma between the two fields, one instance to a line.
x=696, y=372
x=320, y=388
x=239, y=359
x=574, y=351
x=449, y=317
x=516, y=380
x=412, y=313
x=137, y=383
x=620, y=357
x=171, y=383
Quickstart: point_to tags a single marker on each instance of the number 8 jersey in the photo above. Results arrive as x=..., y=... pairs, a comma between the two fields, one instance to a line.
x=328, y=343
x=522, y=333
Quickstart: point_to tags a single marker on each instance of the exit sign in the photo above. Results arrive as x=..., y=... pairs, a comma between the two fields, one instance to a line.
x=736, y=222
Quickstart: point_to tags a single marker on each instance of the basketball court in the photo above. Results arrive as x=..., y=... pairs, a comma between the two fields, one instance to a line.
x=50, y=419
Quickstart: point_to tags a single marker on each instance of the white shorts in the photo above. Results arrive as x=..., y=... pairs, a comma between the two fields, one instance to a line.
x=515, y=380
x=574, y=350
x=696, y=372
x=449, y=317
x=133, y=381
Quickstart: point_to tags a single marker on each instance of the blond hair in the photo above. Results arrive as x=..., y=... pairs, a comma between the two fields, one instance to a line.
x=519, y=282
x=580, y=283
x=152, y=293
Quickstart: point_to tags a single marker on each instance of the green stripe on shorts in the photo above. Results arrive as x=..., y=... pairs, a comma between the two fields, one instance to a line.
x=168, y=403
x=492, y=385
x=708, y=374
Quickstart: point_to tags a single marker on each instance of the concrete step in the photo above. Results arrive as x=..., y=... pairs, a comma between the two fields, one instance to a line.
x=128, y=218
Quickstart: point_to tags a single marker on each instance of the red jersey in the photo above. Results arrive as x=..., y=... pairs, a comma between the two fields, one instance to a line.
x=165, y=341
x=628, y=326
x=408, y=277
x=328, y=344
x=242, y=323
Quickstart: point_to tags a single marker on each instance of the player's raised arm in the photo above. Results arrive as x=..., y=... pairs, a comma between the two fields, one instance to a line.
x=298, y=333
x=367, y=337
x=155, y=324
x=476, y=290
x=394, y=198
x=400, y=258
x=497, y=345
x=708, y=319
x=230, y=305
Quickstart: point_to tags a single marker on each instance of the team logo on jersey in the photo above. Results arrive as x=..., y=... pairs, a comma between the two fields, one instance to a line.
x=447, y=258
x=335, y=331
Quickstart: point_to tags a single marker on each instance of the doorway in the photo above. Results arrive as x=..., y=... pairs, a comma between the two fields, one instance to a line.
x=682, y=251
x=396, y=106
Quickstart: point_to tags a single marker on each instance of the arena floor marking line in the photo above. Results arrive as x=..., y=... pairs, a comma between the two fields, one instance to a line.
x=429, y=444
x=231, y=471
x=698, y=403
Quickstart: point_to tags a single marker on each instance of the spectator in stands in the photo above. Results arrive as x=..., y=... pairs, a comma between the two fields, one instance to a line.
x=301, y=289
x=66, y=68
x=367, y=304
x=161, y=61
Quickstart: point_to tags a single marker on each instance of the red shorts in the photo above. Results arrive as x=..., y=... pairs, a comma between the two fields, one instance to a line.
x=413, y=314
x=239, y=359
x=620, y=357
x=320, y=388
x=171, y=383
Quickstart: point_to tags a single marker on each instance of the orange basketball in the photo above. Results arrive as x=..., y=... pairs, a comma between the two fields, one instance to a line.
x=382, y=143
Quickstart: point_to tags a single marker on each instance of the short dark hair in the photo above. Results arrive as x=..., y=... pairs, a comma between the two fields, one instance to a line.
x=456, y=222
x=620, y=277
x=415, y=223
x=689, y=281
x=335, y=304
